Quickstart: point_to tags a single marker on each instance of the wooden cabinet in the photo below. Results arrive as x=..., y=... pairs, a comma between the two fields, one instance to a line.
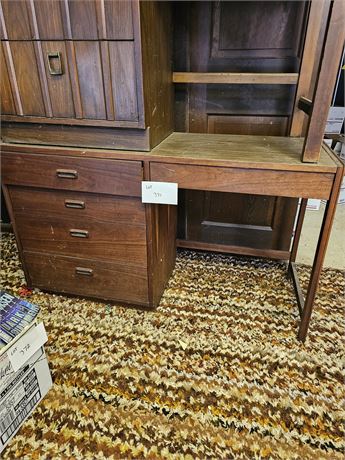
x=69, y=20
x=234, y=36
x=78, y=82
x=86, y=63
x=81, y=226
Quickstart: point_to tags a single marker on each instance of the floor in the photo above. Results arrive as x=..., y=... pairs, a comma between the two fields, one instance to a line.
x=215, y=372
x=335, y=255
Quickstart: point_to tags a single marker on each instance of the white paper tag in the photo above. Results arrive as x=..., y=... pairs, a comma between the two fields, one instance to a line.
x=159, y=192
x=27, y=345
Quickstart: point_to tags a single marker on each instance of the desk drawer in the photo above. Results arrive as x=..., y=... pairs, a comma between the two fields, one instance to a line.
x=115, y=177
x=87, y=207
x=270, y=182
x=75, y=237
x=87, y=277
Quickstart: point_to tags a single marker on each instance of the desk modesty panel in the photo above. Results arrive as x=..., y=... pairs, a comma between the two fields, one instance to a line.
x=244, y=180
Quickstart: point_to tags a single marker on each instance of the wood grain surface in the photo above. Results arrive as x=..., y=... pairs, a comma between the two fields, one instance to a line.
x=242, y=78
x=91, y=175
x=109, y=280
x=268, y=152
x=245, y=180
x=120, y=242
x=89, y=207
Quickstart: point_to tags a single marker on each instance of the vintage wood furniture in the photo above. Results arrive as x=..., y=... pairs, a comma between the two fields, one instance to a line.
x=241, y=68
x=100, y=93
x=108, y=244
x=271, y=165
x=81, y=227
x=86, y=72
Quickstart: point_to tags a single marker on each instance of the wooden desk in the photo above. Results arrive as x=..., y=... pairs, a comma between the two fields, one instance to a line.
x=34, y=186
x=256, y=165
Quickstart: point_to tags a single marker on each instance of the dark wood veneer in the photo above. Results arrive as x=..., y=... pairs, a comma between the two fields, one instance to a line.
x=114, y=177
x=109, y=280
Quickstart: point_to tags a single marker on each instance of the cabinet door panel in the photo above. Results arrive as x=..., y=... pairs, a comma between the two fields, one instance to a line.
x=123, y=80
x=89, y=67
x=92, y=20
x=49, y=19
x=27, y=78
x=59, y=86
x=16, y=18
x=83, y=19
x=68, y=19
x=118, y=19
x=7, y=102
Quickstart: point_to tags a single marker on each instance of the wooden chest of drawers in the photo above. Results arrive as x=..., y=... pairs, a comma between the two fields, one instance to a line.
x=86, y=73
x=81, y=226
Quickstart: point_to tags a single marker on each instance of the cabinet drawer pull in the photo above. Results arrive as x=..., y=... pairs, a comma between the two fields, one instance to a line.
x=57, y=68
x=84, y=271
x=75, y=204
x=79, y=233
x=67, y=173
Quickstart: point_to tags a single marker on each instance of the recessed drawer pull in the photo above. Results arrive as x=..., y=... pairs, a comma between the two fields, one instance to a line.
x=84, y=271
x=75, y=204
x=67, y=173
x=54, y=63
x=79, y=233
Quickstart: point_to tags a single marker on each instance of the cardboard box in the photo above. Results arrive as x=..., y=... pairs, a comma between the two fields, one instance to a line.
x=313, y=204
x=22, y=389
x=335, y=120
x=341, y=199
x=339, y=149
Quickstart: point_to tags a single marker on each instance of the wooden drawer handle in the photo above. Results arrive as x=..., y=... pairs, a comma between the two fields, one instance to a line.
x=74, y=204
x=79, y=233
x=67, y=173
x=84, y=271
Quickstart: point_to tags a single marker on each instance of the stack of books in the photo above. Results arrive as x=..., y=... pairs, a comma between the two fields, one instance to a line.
x=15, y=315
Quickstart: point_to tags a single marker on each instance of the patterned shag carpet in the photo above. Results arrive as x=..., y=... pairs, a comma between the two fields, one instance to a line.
x=216, y=372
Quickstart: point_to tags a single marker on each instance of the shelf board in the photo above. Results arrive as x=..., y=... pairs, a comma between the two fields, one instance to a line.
x=236, y=78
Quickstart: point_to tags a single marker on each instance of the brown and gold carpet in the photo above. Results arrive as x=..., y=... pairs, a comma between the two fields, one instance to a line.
x=216, y=372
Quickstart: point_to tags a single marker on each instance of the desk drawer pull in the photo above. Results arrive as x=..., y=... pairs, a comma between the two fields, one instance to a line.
x=54, y=63
x=83, y=271
x=79, y=233
x=67, y=173
x=74, y=204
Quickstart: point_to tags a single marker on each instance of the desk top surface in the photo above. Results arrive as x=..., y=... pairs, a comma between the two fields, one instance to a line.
x=224, y=150
x=268, y=152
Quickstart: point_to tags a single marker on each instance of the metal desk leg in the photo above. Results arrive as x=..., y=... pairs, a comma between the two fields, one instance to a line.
x=320, y=255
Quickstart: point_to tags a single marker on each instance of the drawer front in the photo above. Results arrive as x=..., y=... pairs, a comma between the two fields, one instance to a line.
x=71, y=19
x=86, y=207
x=81, y=82
x=88, y=277
x=115, y=177
x=123, y=242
